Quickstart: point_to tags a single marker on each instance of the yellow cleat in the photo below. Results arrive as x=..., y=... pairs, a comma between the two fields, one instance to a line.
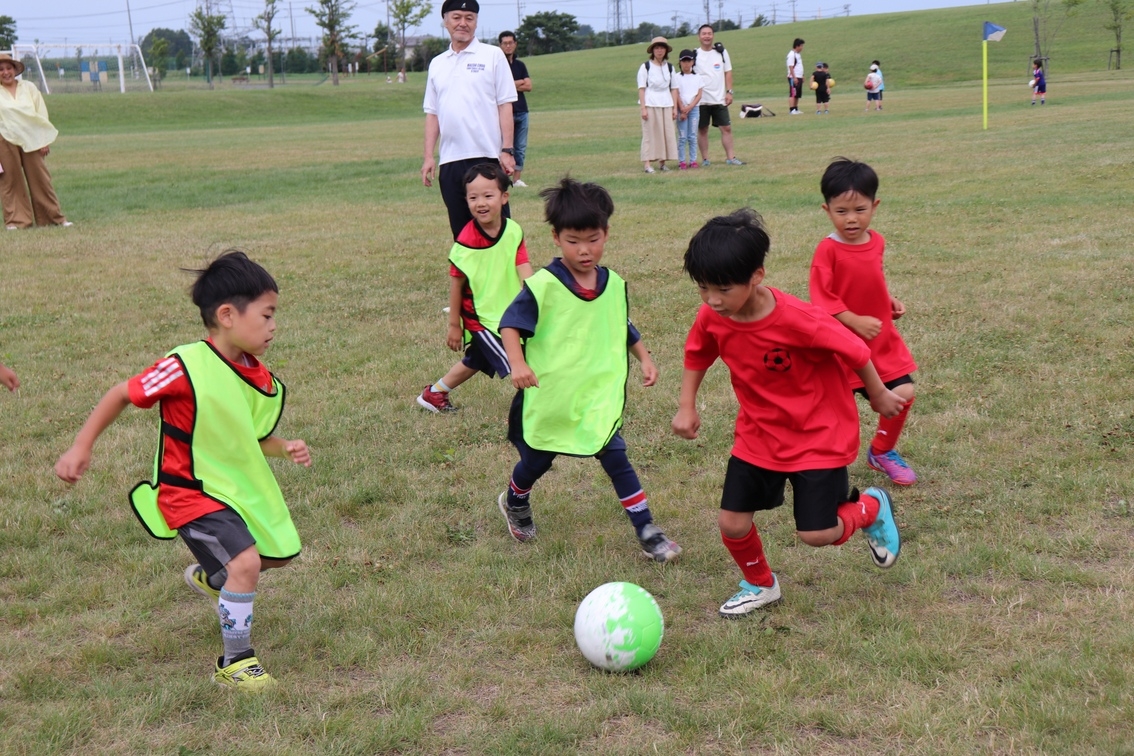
x=245, y=675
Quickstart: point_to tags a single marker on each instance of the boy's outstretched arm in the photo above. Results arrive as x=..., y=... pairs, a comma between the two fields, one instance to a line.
x=77, y=459
x=455, y=338
x=649, y=369
x=687, y=421
x=296, y=450
x=522, y=375
x=884, y=401
x=8, y=378
x=864, y=325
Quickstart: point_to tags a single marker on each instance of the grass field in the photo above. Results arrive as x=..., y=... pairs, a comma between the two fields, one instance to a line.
x=412, y=623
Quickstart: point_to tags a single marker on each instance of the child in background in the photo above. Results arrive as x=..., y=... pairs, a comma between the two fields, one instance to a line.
x=848, y=282
x=572, y=372
x=212, y=485
x=797, y=421
x=873, y=87
x=689, y=85
x=881, y=81
x=486, y=265
x=819, y=81
x=1040, y=85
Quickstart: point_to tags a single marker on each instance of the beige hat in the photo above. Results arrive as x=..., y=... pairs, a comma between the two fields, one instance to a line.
x=14, y=61
x=658, y=41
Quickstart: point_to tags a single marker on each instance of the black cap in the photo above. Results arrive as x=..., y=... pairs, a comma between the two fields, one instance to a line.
x=687, y=55
x=465, y=5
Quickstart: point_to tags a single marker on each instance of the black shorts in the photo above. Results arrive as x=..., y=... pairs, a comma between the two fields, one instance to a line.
x=900, y=381
x=486, y=353
x=794, y=86
x=816, y=494
x=873, y=96
x=216, y=538
x=716, y=114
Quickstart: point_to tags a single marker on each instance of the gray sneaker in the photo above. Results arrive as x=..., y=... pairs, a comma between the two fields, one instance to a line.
x=516, y=519
x=656, y=546
x=750, y=598
x=734, y=161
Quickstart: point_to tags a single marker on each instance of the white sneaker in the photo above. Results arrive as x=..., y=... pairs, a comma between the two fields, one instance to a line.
x=519, y=183
x=13, y=228
x=66, y=224
x=750, y=598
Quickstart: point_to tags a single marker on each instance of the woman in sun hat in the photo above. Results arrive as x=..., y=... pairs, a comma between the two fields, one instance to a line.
x=657, y=101
x=25, y=138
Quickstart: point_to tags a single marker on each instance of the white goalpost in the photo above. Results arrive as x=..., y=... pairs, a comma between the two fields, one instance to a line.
x=90, y=64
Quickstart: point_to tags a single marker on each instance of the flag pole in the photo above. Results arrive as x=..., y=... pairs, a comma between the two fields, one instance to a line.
x=984, y=49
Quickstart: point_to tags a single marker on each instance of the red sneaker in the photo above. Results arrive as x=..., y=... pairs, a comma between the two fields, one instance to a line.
x=435, y=401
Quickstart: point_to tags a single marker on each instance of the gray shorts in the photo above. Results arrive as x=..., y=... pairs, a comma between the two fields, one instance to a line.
x=216, y=538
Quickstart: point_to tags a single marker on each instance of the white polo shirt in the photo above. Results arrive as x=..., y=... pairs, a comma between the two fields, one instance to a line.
x=465, y=91
x=712, y=66
x=795, y=63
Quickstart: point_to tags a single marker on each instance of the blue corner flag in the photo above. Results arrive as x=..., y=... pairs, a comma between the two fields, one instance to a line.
x=992, y=32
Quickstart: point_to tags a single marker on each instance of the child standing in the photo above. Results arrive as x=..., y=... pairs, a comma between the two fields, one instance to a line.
x=572, y=372
x=486, y=265
x=212, y=484
x=847, y=281
x=689, y=86
x=819, y=81
x=797, y=421
x=881, y=81
x=873, y=85
x=1040, y=85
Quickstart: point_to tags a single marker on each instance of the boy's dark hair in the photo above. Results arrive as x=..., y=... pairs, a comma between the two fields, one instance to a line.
x=491, y=171
x=230, y=279
x=576, y=206
x=1039, y=62
x=796, y=43
x=875, y=63
x=728, y=249
x=702, y=26
x=503, y=34
x=845, y=175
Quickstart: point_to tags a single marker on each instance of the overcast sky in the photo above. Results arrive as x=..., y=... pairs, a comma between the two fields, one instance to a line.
x=95, y=22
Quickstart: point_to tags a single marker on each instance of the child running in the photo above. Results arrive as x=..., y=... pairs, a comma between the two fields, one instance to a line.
x=689, y=86
x=486, y=265
x=572, y=373
x=1039, y=85
x=847, y=281
x=797, y=421
x=219, y=407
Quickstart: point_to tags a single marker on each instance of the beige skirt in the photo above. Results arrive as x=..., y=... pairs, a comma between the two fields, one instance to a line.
x=659, y=141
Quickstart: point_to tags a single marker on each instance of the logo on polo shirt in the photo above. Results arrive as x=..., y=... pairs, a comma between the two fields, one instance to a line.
x=475, y=67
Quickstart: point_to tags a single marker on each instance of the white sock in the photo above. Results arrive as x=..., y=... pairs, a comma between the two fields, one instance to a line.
x=440, y=387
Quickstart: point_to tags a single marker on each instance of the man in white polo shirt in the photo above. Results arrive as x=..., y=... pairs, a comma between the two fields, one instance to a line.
x=715, y=68
x=468, y=108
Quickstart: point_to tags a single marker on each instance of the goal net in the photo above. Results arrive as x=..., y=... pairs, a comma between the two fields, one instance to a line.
x=58, y=68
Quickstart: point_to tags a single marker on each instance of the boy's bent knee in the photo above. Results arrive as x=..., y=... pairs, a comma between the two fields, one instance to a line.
x=244, y=568
x=734, y=524
x=816, y=537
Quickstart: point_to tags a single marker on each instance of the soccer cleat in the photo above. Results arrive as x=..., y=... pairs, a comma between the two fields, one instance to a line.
x=515, y=519
x=519, y=183
x=734, y=161
x=750, y=598
x=196, y=578
x=891, y=463
x=245, y=675
x=435, y=401
x=882, y=534
x=656, y=546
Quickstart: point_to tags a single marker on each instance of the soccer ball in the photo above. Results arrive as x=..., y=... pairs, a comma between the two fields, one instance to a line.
x=1032, y=83
x=830, y=83
x=868, y=84
x=814, y=85
x=619, y=627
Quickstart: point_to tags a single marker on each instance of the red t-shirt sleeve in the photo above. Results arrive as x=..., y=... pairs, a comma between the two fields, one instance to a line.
x=823, y=290
x=455, y=272
x=521, y=253
x=831, y=335
x=701, y=348
x=164, y=380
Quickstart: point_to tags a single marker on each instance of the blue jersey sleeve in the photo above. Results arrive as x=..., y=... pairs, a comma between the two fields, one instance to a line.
x=522, y=314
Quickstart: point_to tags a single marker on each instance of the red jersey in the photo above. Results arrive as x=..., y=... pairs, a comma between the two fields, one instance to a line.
x=167, y=382
x=473, y=237
x=795, y=411
x=850, y=277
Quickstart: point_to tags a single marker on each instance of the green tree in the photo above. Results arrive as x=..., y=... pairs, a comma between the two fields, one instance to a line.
x=761, y=20
x=547, y=32
x=1047, y=18
x=408, y=14
x=208, y=28
x=426, y=50
x=229, y=65
x=180, y=43
x=7, y=32
x=1120, y=11
x=725, y=24
x=386, y=45
x=263, y=22
x=159, y=58
x=331, y=16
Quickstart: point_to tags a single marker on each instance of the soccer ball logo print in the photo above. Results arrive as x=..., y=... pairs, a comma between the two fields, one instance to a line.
x=777, y=360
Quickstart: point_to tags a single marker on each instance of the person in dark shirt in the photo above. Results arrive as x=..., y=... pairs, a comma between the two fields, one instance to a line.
x=520, y=106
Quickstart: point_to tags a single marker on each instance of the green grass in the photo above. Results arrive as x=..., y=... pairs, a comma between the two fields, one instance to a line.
x=412, y=623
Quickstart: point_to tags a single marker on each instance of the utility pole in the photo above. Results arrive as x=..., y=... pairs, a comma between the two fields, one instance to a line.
x=846, y=9
x=773, y=14
x=133, y=41
x=707, y=19
x=519, y=13
x=794, y=17
x=720, y=11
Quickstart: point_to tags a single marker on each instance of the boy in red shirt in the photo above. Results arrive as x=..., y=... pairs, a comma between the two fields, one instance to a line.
x=847, y=282
x=797, y=421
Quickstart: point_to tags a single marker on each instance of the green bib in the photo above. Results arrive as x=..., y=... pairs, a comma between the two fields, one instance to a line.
x=492, y=274
x=232, y=416
x=580, y=359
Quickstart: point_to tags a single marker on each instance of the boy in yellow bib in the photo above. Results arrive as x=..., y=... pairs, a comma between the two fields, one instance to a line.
x=572, y=372
x=212, y=485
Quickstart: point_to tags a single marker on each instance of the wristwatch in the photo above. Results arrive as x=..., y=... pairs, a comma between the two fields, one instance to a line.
x=508, y=151
x=729, y=91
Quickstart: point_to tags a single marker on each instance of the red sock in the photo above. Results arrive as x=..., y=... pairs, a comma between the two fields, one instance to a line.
x=856, y=515
x=889, y=428
x=749, y=555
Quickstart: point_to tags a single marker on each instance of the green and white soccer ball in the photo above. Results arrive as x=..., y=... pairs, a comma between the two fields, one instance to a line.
x=619, y=627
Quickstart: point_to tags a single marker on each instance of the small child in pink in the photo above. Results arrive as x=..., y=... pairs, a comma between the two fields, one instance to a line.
x=848, y=282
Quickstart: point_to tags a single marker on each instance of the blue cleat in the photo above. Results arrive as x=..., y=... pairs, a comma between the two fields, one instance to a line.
x=882, y=535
